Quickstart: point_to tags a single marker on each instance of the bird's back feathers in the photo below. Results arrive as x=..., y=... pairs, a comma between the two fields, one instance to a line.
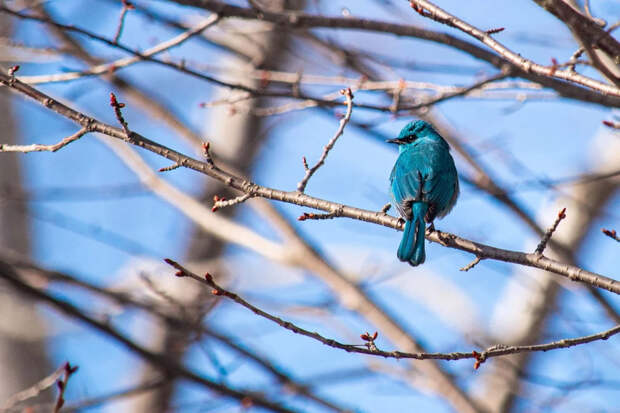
x=424, y=185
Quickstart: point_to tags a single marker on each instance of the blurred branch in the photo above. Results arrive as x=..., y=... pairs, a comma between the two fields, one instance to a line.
x=301, y=20
x=147, y=386
x=222, y=227
x=33, y=390
x=174, y=319
x=23, y=334
x=111, y=67
x=162, y=361
x=121, y=20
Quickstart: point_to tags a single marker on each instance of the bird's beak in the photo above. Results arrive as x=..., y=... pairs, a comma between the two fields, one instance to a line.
x=396, y=141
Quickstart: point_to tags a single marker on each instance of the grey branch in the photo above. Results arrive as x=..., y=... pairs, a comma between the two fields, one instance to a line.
x=436, y=13
x=480, y=357
x=35, y=147
x=301, y=186
x=247, y=187
x=545, y=239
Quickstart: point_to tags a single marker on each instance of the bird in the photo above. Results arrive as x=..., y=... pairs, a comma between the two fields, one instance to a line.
x=424, y=184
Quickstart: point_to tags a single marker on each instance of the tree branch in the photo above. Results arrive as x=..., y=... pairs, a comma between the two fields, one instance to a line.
x=432, y=11
x=301, y=186
x=494, y=351
x=293, y=197
x=302, y=20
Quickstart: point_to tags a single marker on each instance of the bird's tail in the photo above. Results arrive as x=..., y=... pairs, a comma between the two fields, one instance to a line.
x=411, y=248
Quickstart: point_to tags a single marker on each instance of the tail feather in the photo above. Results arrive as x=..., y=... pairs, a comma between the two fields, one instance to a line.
x=411, y=248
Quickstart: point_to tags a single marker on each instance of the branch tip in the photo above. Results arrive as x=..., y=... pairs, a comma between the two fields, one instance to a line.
x=494, y=31
x=547, y=236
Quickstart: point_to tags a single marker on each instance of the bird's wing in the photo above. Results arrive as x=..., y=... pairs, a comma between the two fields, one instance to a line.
x=441, y=185
x=405, y=181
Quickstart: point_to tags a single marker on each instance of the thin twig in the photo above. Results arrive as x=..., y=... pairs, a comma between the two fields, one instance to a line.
x=545, y=239
x=41, y=148
x=34, y=390
x=309, y=215
x=121, y=22
x=480, y=357
x=223, y=202
x=170, y=168
x=301, y=186
x=117, y=106
x=471, y=264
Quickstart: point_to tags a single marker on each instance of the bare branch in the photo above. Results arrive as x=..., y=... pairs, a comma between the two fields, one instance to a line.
x=471, y=264
x=121, y=21
x=591, y=35
x=436, y=13
x=223, y=202
x=543, y=242
x=301, y=186
x=117, y=106
x=34, y=390
x=450, y=240
x=494, y=351
x=301, y=20
x=41, y=148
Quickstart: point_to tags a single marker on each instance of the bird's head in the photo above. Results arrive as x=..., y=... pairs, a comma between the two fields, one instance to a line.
x=413, y=131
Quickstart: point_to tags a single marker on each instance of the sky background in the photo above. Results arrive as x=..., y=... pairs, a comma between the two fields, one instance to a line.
x=92, y=219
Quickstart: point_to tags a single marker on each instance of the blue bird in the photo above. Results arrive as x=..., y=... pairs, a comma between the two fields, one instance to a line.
x=424, y=185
